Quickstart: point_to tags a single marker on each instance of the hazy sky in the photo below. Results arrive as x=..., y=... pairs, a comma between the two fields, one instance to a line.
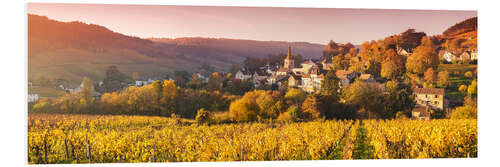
x=317, y=25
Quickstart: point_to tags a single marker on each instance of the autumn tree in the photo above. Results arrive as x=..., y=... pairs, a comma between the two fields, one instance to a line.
x=87, y=99
x=430, y=75
x=462, y=89
x=443, y=79
x=215, y=82
x=472, y=88
x=366, y=98
x=203, y=116
x=410, y=39
x=168, y=96
x=393, y=65
x=310, y=108
x=254, y=105
x=296, y=96
x=423, y=58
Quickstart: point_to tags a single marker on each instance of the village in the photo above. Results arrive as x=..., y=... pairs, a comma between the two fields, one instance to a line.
x=308, y=76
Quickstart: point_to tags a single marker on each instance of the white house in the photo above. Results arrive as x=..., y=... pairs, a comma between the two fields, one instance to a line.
x=243, y=74
x=32, y=97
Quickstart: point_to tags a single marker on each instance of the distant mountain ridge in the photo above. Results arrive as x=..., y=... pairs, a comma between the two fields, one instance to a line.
x=71, y=50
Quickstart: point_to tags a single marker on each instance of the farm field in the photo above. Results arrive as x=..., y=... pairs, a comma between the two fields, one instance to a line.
x=58, y=138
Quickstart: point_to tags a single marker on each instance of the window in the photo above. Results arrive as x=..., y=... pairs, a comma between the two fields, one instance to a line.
x=436, y=102
x=435, y=96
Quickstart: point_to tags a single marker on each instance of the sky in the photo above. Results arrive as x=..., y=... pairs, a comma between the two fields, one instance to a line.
x=315, y=25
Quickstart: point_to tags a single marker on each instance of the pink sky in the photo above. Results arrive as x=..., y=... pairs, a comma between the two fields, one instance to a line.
x=316, y=25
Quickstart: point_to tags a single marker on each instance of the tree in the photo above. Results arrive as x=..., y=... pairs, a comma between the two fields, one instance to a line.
x=254, y=105
x=215, y=82
x=310, y=108
x=392, y=66
x=423, y=58
x=339, y=62
x=443, y=79
x=330, y=84
x=464, y=112
x=195, y=82
x=410, y=39
x=430, y=75
x=113, y=80
x=203, y=116
x=168, y=97
x=367, y=97
x=181, y=78
x=397, y=98
x=472, y=89
x=158, y=92
x=297, y=96
x=87, y=99
x=462, y=88
x=468, y=74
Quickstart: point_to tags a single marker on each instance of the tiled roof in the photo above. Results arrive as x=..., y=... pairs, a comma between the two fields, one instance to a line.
x=365, y=76
x=283, y=69
x=438, y=91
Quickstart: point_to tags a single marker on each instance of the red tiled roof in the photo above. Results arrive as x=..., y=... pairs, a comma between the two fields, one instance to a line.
x=438, y=91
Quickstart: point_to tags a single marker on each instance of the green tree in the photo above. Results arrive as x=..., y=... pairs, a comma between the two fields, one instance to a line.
x=114, y=79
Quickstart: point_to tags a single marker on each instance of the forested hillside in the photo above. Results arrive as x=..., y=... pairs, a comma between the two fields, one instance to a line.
x=71, y=50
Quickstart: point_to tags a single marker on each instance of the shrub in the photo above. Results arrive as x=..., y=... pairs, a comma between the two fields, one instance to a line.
x=203, y=116
x=468, y=74
x=464, y=112
x=43, y=106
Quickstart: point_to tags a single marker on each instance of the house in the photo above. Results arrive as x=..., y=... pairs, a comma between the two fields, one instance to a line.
x=259, y=77
x=140, y=83
x=421, y=113
x=404, y=52
x=473, y=54
x=243, y=74
x=465, y=56
x=345, y=77
x=294, y=81
x=306, y=67
x=449, y=56
x=32, y=97
x=430, y=97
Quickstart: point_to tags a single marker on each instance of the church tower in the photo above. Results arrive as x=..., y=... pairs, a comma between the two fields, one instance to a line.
x=289, y=62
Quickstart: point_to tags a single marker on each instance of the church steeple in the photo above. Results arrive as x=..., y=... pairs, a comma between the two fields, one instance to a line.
x=289, y=56
x=289, y=62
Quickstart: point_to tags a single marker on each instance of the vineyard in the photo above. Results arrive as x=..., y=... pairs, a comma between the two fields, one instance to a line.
x=99, y=139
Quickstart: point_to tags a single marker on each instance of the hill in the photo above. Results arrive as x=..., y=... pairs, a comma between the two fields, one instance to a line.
x=464, y=27
x=71, y=50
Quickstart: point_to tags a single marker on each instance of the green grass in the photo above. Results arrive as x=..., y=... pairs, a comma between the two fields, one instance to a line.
x=461, y=68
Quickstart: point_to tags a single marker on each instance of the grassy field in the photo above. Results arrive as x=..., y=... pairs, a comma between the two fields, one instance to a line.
x=457, y=78
x=111, y=139
x=47, y=92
